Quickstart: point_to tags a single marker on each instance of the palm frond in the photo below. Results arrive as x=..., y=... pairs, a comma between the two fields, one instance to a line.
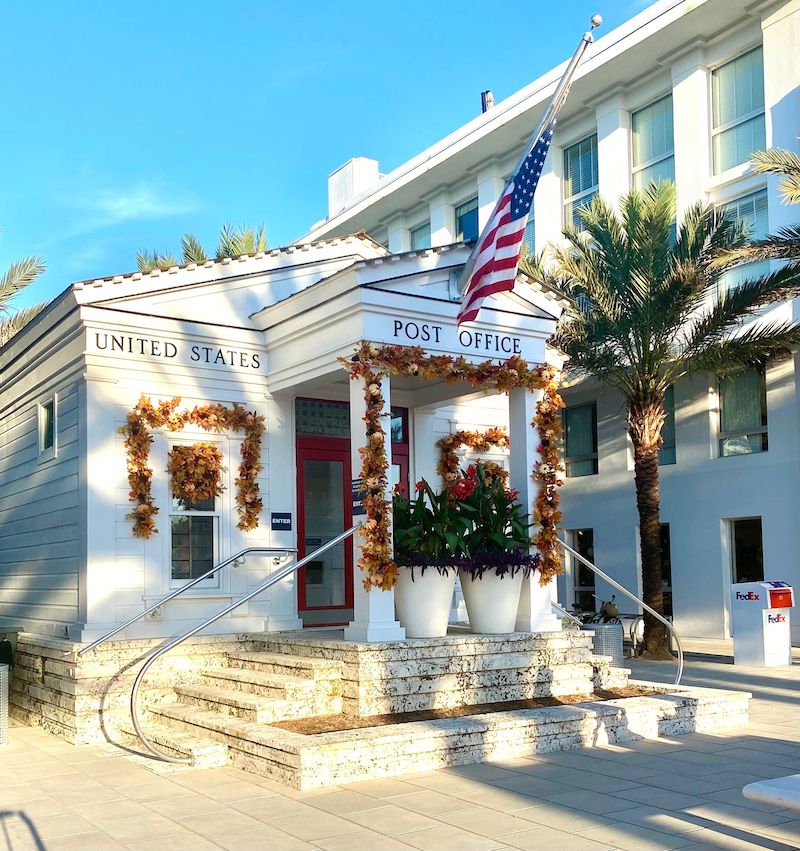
x=786, y=165
x=751, y=348
x=18, y=320
x=784, y=244
x=193, y=251
x=236, y=241
x=147, y=261
x=18, y=276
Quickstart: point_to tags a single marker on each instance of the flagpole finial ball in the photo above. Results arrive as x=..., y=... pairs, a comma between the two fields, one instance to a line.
x=596, y=20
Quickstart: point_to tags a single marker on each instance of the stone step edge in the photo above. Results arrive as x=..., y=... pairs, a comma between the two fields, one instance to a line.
x=203, y=752
x=265, y=679
x=663, y=706
x=308, y=667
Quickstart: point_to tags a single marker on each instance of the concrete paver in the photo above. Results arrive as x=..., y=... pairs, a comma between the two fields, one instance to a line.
x=682, y=793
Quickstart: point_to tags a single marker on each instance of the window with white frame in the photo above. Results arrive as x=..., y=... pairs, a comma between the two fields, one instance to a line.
x=194, y=535
x=467, y=221
x=737, y=103
x=752, y=212
x=46, y=412
x=580, y=178
x=743, y=413
x=653, y=143
x=583, y=588
x=580, y=440
x=666, y=455
x=421, y=237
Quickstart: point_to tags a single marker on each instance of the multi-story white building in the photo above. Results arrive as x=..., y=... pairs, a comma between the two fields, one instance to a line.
x=686, y=90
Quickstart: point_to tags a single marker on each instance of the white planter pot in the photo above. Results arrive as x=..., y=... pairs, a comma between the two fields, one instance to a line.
x=492, y=600
x=423, y=605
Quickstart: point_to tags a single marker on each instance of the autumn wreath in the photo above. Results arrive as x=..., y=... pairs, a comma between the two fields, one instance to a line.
x=479, y=441
x=195, y=471
x=371, y=363
x=215, y=417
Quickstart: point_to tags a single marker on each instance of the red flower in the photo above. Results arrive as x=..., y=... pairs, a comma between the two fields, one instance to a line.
x=464, y=488
x=420, y=486
x=471, y=471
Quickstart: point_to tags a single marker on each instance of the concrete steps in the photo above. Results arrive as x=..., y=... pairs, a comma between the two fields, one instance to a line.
x=184, y=744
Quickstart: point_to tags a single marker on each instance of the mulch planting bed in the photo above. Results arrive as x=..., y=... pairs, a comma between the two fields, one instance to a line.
x=336, y=723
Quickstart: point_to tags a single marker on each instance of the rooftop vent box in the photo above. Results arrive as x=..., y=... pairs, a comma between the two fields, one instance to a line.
x=350, y=180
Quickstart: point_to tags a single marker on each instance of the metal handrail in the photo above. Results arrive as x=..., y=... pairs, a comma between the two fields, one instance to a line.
x=559, y=608
x=231, y=559
x=272, y=580
x=604, y=576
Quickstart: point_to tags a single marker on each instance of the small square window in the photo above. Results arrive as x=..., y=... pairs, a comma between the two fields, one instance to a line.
x=421, y=237
x=467, y=221
x=47, y=427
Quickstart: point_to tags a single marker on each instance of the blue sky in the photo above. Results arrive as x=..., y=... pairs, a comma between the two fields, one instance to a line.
x=128, y=124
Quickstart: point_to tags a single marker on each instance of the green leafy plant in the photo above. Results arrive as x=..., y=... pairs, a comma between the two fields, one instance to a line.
x=429, y=530
x=497, y=532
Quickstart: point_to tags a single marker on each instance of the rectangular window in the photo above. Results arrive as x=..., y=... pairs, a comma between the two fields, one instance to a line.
x=583, y=578
x=193, y=533
x=666, y=455
x=743, y=413
x=421, y=237
x=580, y=440
x=752, y=212
x=653, y=143
x=737, y=102
x=580, y=179
x=747, y=550
x=47, y=427
x=529, y=237
x=467, y=221
x=666, y=569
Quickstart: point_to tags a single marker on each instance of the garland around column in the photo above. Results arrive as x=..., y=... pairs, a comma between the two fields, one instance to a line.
x=371, y=363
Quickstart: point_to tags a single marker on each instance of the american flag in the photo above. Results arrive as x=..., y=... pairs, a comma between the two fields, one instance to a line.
x=498, y=249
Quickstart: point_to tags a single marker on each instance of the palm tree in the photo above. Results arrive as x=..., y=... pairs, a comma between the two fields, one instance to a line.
x=16, y=278
x=233, y=242
x=647, y=311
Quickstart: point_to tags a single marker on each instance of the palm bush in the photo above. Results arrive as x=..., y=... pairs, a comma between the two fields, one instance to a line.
x=649, y=308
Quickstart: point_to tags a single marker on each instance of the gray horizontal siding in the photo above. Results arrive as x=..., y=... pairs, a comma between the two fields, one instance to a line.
x=40, y=518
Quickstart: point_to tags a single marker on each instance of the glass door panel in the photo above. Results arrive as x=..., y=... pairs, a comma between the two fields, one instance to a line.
x=323, y=499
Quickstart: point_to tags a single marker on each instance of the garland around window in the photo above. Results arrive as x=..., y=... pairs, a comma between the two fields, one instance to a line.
x=205, y=459
x=480, y=441
x=371, y=363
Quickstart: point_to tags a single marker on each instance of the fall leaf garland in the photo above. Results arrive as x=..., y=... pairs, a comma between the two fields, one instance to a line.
x=480, y=441
x=195, y=472
x=214, y=417
x=371, y=363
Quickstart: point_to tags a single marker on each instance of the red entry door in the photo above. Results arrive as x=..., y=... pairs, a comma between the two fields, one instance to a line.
x=325, y=584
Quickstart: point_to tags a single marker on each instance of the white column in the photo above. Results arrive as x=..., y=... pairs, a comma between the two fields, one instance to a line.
x=281, y=460
x=490, y=188
x=692, y=123
x=781, y=31
x=443, y=220
x=399, y=235
x=613, y=151
x=548, y=207
x=535, y=613
x=373, y=615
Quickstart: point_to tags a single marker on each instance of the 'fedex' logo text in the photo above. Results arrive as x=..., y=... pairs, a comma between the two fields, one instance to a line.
x=750, y=595
x=776, y=618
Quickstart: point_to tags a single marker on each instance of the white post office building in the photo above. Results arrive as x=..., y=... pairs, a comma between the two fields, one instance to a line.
x=684, y=91
x=265, y=332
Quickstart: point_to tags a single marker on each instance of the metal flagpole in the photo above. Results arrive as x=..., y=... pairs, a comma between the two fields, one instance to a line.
x=552, y=109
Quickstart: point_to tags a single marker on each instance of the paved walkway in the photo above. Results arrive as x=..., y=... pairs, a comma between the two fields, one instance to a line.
x=682, y=793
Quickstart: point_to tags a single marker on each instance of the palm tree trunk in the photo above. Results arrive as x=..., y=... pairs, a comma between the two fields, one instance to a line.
x=644, y=426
